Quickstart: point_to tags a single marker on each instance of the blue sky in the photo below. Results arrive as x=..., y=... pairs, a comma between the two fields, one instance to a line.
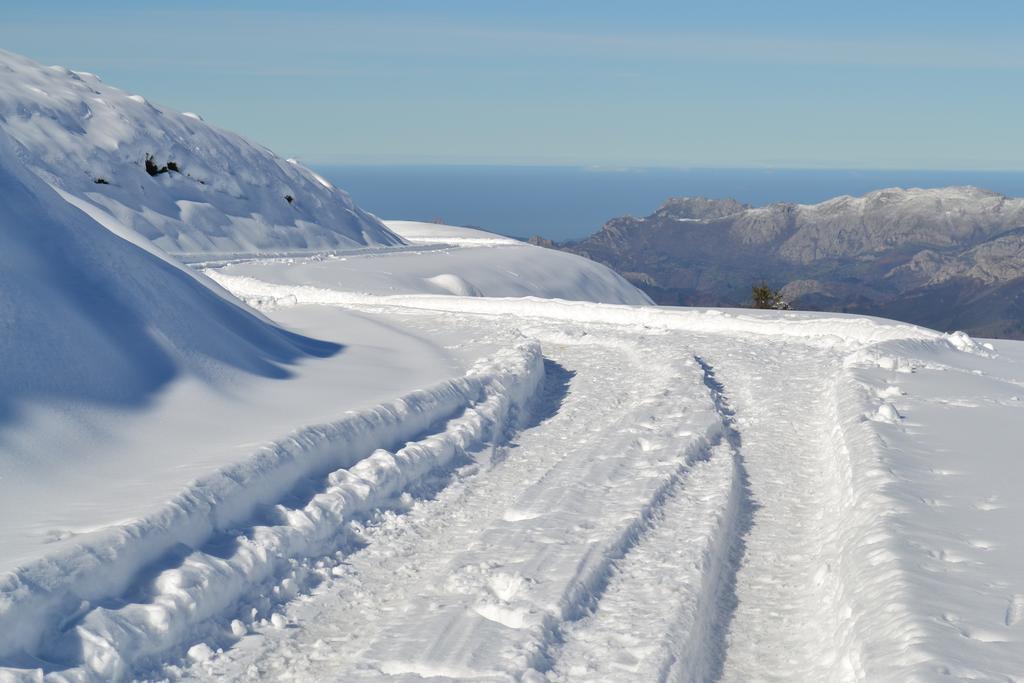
x=764, y=84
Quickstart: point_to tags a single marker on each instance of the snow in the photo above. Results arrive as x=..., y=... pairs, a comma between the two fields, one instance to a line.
x=954, y=479
x=693, y=504
x=229, y=196
x=221, y=571
x=97, y=458
x=450, y=260
x=612, y=492
x=119, y=322
x=825, y=329
x=439, y=452
x=438, y=233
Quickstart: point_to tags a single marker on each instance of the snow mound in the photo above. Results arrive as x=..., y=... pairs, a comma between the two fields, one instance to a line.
x=87, y=316
x=418, y=232
x=450, y=260
x=187, y=186
x=453, y=284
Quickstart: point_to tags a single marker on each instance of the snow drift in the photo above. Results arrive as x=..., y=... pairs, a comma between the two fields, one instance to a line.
x=451, y=260
x=87, y=317
x=187, y=186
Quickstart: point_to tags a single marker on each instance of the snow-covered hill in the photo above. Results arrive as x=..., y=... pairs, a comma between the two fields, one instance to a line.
x=448, y=260
x=213, y=191
x=142, y=408
x=127, y=379
x=89, y=317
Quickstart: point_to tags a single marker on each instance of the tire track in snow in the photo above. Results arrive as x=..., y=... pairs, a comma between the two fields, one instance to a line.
x=809, y=600
x=406, y=555
x=548, y=560
x=486, y=581
x=667, y=608
x=474, y=583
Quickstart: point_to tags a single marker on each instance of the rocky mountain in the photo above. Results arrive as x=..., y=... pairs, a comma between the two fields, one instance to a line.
x=949, y=258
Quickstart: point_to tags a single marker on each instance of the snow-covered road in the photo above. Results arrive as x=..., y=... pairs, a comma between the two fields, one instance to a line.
x=661, y=515
x=627, y=452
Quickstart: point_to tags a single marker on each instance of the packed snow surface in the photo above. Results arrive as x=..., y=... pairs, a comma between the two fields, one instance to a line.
x=691, y=501
x=213, y=191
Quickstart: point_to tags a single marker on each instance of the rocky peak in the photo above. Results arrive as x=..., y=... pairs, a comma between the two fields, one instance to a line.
x=699, y=208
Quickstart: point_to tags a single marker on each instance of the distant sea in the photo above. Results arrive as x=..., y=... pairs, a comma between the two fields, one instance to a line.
x=563, y=203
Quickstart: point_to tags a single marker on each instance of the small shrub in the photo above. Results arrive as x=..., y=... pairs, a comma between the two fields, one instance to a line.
x=173, y=166
x=288, y=198
x=101, y=181
x=763, y=296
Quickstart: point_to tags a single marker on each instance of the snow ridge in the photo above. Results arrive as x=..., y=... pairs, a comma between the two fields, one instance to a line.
x=118, y=321
x=881, y=635
x=177, y=181
x=104, y=640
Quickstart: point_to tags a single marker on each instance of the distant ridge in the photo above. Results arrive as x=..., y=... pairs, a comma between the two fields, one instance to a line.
x=948, y=258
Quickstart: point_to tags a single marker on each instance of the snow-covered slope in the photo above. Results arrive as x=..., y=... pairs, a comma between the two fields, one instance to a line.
x=450, y=260
x=131, y=384
x=89, y=317
x=417, y=232
x=213, y=192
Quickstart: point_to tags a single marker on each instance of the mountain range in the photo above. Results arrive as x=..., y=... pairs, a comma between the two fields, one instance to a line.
x=947, y=258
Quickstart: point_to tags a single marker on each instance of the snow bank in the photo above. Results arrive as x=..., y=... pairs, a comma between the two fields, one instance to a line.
x=212, y=192
x=822, y=329
x=861, y=575
x=916, y=559
x=452, y=260
x=105, y=641
x=934, y=453
x=88, y=317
